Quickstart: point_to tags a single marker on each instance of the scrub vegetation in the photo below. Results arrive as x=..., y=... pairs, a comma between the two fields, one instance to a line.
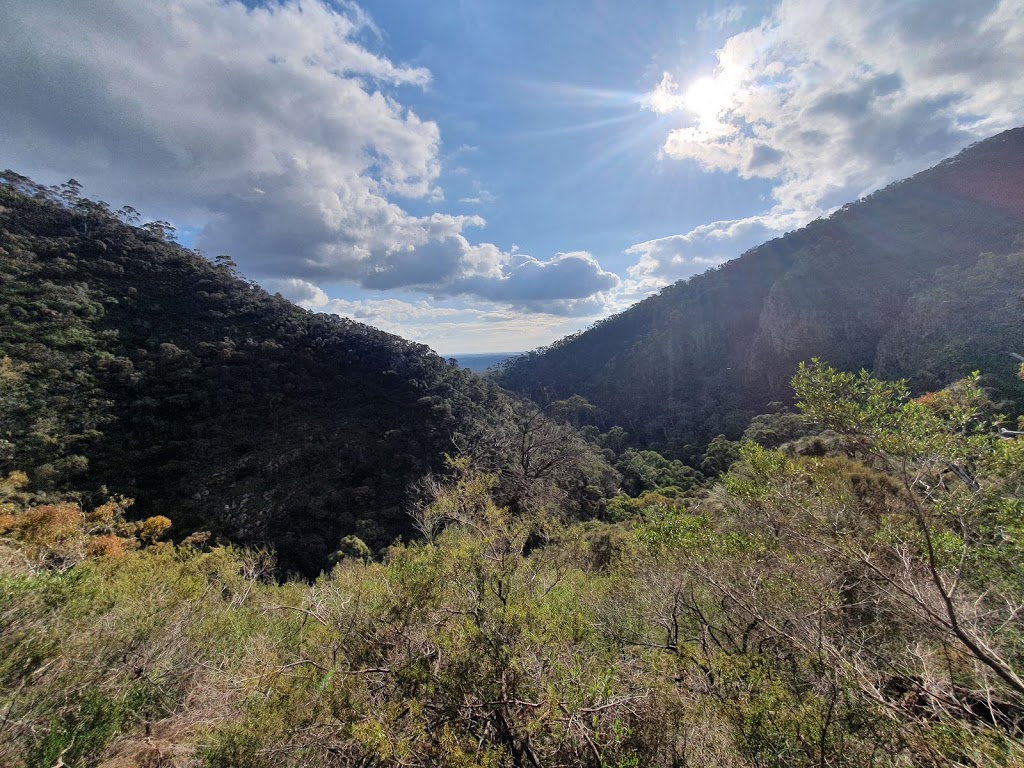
x=849, y=599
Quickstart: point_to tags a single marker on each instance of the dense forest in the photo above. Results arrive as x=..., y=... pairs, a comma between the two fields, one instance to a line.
x=133, y=366
x=901, y=283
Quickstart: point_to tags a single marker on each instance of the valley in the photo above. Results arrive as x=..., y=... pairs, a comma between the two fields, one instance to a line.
x=237, y=533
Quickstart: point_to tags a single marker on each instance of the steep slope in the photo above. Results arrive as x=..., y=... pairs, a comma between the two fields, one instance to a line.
x=704, y=355
x=131, y=365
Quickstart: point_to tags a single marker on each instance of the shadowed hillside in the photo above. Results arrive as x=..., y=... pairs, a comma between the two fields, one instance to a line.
x=129, y=362
x=891, y=283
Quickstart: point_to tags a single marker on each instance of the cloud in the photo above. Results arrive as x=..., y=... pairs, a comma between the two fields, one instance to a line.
x=273, y=129
x=567, y=285
x=726, y=16
x=301, y=292
x=274, y=124
x=561, y=285
x=479, y=196
x=450, y=327
x=676, y=257
x=831, y=100
x=665, y=98
x=482, y=197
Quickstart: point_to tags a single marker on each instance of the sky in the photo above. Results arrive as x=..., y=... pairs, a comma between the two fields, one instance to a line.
x=485, y=176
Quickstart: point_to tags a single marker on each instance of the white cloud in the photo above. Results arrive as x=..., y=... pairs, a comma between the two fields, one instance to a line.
x=567, y=284
x=830, y=101
x=274, y=128
x=665, y=98
x=482, y=197
x=833, y=99
x=271, y=125
x=301, y=292
x=457, y=328
x=680, y=256
x=479, y=196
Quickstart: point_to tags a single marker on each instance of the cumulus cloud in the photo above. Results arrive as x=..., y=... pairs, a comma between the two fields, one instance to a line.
x=273, y=127
x=681, y=256
x=565, y=284
x=832, y=100
x=301, y=292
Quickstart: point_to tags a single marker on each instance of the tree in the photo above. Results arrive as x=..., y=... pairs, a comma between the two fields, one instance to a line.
x=575, y=410
x=647, y=470
x=721, y=453
x=129, y=215
x=354, y=548
x=70, y=192
x=957, y=543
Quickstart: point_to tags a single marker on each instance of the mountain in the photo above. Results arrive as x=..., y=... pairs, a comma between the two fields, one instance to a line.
x=896, y=283
x=130, y=365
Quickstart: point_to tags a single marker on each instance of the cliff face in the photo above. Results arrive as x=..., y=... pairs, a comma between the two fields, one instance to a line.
x=704, y=355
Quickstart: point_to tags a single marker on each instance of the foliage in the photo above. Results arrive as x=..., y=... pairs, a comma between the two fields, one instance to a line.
x=646, y=470
x=57, y=536
x=859, y=608
x=773, y=430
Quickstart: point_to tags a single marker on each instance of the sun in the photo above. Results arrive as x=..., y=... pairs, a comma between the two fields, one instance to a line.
x=706, y=98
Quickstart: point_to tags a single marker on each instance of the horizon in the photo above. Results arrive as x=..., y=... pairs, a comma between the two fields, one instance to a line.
x=487, y=178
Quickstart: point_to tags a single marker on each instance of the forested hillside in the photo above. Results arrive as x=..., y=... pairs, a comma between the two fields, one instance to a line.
x=896, y=283
x=130, y=365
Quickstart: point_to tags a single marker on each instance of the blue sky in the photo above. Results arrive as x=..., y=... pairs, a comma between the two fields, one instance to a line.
x=488, y=176
x=539, y=104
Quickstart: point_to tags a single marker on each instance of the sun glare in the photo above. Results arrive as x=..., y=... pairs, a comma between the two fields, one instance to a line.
x=706, y=98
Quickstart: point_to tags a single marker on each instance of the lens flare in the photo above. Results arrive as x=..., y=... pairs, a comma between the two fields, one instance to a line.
x=706, y=98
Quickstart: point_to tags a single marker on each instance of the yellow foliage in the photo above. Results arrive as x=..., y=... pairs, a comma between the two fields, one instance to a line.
x=154, y=527
x=10, y=490
x=110, y=512
x=64, y=530
x=111, y=547
x=50, y=523
x=13, y=482
x=10, y=374
x=104, y=513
